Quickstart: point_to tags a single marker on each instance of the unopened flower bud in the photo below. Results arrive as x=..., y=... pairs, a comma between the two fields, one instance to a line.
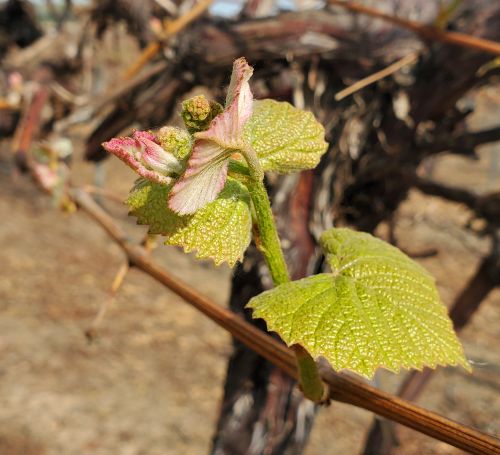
x=175, y=141
x=198, y=113
x=144, y=154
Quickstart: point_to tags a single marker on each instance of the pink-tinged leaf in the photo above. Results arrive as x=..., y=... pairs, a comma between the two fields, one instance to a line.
x=239, y=94
x=145, y=156
x=227, y=128
x=144, y=135
x=207, y=166
x=158, y=159
x=203, y=180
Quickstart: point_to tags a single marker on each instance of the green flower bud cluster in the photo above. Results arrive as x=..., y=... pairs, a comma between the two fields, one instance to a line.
x=175, y=141
x=198, y=113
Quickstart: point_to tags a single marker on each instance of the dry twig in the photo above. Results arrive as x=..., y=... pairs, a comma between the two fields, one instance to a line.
x=365, y=82
x=91, y=332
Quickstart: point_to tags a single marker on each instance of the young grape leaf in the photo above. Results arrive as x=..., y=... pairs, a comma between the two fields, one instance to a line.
x=221, y=230
x=148, y=203
x=377, y=308
x=286, y=139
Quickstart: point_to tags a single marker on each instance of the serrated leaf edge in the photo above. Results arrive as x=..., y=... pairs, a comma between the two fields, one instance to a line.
x=317, y=353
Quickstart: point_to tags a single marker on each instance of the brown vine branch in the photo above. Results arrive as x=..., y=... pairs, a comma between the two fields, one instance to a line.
x=425, y=31
x=463, y=144
x=342, y=387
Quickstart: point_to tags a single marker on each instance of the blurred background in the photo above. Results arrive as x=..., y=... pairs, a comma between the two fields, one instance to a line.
x=414, y=157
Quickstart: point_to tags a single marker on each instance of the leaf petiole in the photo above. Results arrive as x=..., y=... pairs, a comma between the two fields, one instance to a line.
x=310, y=381
x=237, y=168
x=268, y=242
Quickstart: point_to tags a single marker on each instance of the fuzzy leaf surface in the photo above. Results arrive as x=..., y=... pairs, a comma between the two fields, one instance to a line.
x=286, y=139
x=220, y=231
x=378, y=308
x=148, y=203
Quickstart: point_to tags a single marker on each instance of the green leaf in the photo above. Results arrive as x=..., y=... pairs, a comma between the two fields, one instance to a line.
x=221, y=230
x=377, y=308
x=285, y=139
x=148, y=202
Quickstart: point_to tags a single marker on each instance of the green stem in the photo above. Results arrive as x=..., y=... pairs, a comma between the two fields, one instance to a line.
x=268, y=242
x=310, y=381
